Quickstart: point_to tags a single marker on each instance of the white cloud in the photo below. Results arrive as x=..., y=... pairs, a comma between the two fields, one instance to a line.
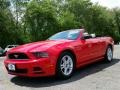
x=108, y=3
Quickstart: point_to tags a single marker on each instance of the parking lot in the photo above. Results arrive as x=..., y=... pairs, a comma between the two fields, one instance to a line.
x=98, y=76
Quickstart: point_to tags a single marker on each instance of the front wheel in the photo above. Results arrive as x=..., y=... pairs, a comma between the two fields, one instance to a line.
x=65, y=65
x=109, y=54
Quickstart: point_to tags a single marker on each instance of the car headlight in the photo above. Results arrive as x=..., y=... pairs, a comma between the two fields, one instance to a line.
x=40, y=54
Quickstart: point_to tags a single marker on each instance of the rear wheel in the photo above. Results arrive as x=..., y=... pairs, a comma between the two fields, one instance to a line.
x=109, y=54
x=65, y=65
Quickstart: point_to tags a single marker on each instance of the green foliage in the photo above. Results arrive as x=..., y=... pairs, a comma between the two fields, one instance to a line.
x=38, y=19
x=8, y=32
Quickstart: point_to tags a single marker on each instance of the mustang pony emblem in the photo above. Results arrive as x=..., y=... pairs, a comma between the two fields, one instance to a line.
x=16, y=56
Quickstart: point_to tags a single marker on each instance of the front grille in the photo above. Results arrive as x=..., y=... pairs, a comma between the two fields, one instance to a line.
x=17, y=56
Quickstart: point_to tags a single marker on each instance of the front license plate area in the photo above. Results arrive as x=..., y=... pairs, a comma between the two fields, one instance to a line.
x=11, y=67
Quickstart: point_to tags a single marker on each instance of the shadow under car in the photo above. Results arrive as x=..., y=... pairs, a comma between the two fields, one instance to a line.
x=52, y=81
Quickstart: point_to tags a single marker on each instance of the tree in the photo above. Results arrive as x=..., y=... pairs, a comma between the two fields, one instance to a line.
x=117, y=18
x=40, y=21
x=34, y=20
x=8, y=33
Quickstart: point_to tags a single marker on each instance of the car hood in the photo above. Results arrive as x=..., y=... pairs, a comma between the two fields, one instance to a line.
x=39, y=46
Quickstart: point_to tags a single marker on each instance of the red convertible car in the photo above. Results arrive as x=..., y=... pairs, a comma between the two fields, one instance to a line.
x=59, y=55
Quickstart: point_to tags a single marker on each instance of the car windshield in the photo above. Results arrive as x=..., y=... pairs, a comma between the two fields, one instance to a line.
x=70, y=34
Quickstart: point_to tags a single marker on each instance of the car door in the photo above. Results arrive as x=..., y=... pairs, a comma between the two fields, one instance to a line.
x=84, y=49
x=91, y=52
x=96, y=50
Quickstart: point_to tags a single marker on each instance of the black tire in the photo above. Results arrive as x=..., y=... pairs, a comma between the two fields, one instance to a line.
x=59, y=71
x=107, y=57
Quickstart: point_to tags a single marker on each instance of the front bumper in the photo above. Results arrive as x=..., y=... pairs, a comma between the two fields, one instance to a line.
x=31, y=68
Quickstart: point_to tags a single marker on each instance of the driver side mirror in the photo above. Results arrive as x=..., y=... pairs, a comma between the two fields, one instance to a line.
x=82, y=38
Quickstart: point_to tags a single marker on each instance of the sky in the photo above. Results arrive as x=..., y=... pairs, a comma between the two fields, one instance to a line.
x=108, y=3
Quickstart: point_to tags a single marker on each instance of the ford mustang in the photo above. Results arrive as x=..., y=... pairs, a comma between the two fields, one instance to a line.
x=59, y=55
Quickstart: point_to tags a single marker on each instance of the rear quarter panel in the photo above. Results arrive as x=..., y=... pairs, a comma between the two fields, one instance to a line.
x=105, y=42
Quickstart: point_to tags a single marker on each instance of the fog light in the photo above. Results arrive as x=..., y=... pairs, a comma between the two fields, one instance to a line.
x=37, y=69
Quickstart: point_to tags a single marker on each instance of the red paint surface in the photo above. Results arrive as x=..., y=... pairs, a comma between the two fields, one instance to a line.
x=86, y=51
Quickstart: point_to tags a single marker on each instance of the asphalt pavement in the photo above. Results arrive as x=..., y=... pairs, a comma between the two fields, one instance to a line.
x=98, y=76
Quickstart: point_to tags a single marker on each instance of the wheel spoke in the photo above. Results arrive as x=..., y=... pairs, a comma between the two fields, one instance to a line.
x=65, y=70
x=62, y=66
x=66, y=65
x=109, y=54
